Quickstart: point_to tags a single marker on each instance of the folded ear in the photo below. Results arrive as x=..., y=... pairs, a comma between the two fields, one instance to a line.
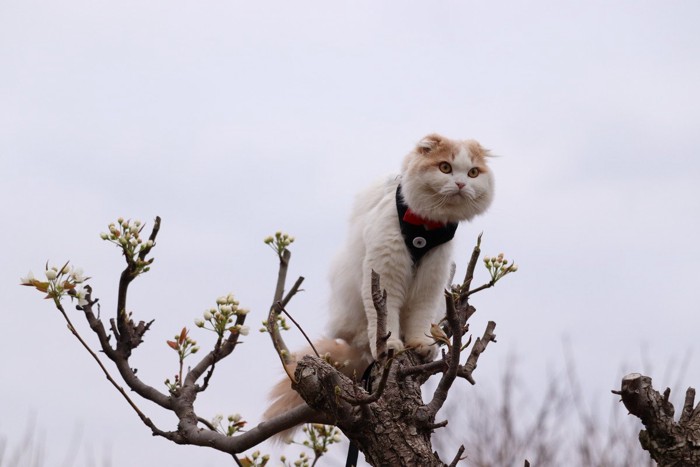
x=428, y=143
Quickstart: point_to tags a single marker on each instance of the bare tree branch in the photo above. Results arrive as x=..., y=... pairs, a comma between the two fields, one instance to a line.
x=669, y=443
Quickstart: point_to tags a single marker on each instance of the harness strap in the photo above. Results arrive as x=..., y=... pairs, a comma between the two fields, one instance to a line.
x=421, y=235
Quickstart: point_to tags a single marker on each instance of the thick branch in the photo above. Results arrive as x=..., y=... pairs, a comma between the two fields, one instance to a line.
x=452, y=360
x=669, y=443
x=379, y=302
x=147, y=421
x=120, y=360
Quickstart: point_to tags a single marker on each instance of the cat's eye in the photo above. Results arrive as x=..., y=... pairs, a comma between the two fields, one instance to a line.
x=445, y=167
x=474, y=172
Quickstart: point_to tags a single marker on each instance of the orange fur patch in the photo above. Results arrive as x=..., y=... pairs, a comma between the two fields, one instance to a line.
x=441, y=148
x=478, y=154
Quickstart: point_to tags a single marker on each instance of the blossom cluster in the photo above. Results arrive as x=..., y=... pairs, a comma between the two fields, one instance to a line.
x=220, y=318
x=318, y=439
x=126, y=234
x=279, y=242
x=66, y=280
x=255, y=460
x=499, y=266
x=235, y=423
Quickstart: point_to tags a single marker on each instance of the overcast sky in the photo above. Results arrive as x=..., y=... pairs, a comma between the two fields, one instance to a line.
x=232, y=120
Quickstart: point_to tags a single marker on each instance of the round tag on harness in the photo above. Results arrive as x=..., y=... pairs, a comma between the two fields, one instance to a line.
x=419, y=242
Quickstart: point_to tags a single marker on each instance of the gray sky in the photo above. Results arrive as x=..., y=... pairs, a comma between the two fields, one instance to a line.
x=232, y=120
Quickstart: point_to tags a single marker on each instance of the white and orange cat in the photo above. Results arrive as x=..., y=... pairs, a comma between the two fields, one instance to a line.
x=400, y=228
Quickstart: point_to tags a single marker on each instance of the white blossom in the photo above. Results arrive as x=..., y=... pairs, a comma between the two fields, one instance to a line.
x=81, y=296
x=28, y=279
x=78, y=275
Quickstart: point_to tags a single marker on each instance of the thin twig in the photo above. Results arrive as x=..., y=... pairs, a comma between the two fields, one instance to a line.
x=206, y=423
x=480, y=288
x=207, y=377
x=458, y=457
x=280, y=307
x=472, y=265
x=477, y=349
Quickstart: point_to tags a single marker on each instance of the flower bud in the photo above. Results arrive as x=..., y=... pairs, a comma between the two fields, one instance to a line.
x=51, y=274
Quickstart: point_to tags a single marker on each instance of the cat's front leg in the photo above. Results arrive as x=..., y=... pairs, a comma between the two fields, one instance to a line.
x=425, y=300
x=394, y=276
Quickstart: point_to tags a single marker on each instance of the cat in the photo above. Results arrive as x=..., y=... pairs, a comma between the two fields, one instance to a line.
x=400, y=228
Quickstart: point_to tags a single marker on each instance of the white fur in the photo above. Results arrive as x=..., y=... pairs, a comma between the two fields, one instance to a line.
x=414, y=295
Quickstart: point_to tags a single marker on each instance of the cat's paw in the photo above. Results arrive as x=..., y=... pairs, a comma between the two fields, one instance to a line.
x=392, y=344
x=424, y=346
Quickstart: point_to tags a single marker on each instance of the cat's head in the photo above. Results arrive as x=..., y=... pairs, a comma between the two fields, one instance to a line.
x=447, y=180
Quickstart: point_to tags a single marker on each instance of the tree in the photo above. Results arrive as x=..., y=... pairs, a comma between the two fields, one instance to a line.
x=390, y=423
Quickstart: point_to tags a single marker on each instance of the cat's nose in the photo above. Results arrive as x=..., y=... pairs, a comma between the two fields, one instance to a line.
x=460, y=185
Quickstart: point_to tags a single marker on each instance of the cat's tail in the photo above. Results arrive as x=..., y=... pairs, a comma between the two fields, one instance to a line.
x=352, y=361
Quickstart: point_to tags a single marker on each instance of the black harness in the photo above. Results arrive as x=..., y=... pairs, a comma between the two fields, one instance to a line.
x=419, y=238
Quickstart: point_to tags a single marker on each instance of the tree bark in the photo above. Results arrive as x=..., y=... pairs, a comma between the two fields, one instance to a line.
x=386, y=430
x=670, y=443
